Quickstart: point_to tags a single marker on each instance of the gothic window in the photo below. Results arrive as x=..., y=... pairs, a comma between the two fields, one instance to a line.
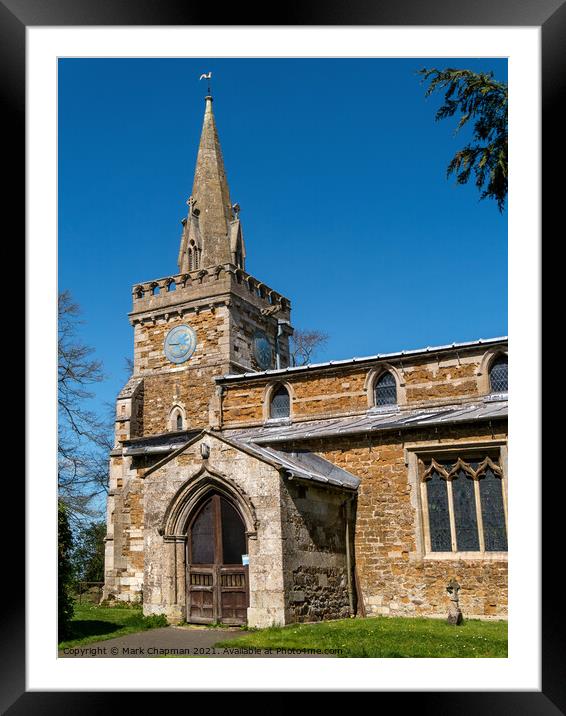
x=493, y=511
x=438, y=514
x=386, y=390
x=280, y=406
x=177, y=419
x=194, y=256
x=498, y=375
x=463, y=506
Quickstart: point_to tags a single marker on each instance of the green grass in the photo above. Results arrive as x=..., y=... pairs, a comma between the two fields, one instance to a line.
x=93, y=623
x=385, y=637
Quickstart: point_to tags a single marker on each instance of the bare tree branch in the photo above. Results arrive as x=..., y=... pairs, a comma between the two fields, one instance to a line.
x=304, y=344
x=84, y=437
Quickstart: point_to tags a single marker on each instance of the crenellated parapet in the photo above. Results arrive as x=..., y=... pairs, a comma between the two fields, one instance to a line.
x=159, y=295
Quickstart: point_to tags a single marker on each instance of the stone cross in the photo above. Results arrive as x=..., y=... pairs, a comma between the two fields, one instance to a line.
x=454, y=612
x=191, y=203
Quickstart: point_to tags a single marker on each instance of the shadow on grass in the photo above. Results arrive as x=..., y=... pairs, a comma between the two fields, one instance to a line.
x=91, y=627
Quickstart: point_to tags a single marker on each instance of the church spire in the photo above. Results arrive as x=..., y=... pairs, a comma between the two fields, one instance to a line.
x=211, y=233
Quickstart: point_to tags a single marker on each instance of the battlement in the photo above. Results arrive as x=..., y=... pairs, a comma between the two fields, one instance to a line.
x=160, y=293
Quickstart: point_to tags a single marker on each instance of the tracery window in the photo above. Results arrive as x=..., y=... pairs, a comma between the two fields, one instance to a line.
x=498, y=382
x=463, y=505
x=385, y=390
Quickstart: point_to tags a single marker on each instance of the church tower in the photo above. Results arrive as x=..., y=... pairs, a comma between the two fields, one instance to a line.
x=209, y=319
x=212, y=317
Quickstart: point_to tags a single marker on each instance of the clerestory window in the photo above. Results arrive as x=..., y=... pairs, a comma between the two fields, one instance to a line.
x=385, y=391
x=498, y=375
x=280, y=406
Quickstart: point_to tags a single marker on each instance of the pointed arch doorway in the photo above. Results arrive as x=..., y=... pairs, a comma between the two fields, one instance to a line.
x=217, y=581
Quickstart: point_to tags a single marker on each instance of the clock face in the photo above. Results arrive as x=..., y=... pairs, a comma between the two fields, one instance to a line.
x=262, y=350
x=180, y=344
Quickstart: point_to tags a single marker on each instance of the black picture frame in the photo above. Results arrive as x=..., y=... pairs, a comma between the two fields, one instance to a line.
x=17, y=15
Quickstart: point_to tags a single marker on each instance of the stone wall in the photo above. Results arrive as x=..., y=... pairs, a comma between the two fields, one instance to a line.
x=212, y=331
x=395, y=576
x=191, y=390
x=224, y=341
x=124, y=559
x=316, y=579
x=332, y=391
x=246, y=318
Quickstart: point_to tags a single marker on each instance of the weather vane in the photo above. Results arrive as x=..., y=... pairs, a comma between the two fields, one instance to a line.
x=207, y=77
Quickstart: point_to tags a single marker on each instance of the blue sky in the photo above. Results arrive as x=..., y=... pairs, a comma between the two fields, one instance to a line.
x=339, y=168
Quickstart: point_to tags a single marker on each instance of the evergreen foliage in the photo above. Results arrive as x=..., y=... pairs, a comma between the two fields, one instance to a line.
x=88, y=552
x=479, y=98
x=65, y=573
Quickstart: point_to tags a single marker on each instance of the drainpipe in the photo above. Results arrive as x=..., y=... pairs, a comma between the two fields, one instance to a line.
x=280, y=325
x=348, y=505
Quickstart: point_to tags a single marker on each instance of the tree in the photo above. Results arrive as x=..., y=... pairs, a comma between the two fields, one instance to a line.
x=84, y=438
x=304, y=345
x=64, y=574
x=477, y=97
x=88, y=552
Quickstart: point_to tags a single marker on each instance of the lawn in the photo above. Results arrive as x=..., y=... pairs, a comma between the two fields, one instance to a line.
x=93, y=623
x=385, y=637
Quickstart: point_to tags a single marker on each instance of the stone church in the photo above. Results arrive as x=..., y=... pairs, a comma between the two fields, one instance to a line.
x=246, y=490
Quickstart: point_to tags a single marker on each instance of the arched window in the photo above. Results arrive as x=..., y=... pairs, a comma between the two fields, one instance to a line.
x=176, y=420
x=386, y=390
x=280, y=406
x=194, y=258
x=498, y=375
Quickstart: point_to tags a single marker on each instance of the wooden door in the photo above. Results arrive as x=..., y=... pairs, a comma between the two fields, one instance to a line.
x=217, y=581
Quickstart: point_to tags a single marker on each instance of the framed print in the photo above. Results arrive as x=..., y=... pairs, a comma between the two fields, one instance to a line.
x=263, y=481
